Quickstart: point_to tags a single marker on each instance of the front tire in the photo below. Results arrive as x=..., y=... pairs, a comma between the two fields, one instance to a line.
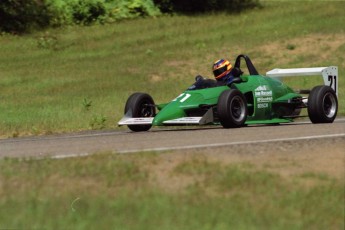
x=140, y=105
x=232, y=109
x=322, y=104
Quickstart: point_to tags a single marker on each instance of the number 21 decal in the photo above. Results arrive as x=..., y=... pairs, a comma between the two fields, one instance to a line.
x=182, y=97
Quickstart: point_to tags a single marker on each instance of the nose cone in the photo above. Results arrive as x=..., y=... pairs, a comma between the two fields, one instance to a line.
x=169, y=112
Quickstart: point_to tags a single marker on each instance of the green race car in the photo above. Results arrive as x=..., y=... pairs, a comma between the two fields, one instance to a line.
x=249, y=99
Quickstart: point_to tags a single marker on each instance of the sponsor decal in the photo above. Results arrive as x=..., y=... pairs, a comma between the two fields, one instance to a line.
x=264, y=99
x=263, y=95
x=263, y=90
x=262, y=105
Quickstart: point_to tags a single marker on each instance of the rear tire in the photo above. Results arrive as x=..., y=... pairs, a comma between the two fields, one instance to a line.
x=322, y=104
x=140, y=105
x=232, y=109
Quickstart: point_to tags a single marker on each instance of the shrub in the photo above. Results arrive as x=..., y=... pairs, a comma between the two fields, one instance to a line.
x=88, y=11
x=25, y=15
x=84, y=12
x=131, y=9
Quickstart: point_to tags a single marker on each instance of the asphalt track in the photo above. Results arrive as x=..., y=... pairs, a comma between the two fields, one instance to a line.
x=168, y=138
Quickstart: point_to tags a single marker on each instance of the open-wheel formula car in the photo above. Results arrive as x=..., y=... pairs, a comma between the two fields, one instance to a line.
x=249, y=99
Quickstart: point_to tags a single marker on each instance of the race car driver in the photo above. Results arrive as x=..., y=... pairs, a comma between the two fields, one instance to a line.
x=224, y=73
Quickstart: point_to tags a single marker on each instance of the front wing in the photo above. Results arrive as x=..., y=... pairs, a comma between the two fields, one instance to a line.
x=207, y=118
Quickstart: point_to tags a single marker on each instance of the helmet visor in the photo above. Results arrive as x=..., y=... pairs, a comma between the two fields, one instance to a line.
x=219, y=71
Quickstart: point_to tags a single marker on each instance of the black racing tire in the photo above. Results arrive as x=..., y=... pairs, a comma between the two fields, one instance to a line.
x=140, y=105
x=232, y=109
x=322, y=104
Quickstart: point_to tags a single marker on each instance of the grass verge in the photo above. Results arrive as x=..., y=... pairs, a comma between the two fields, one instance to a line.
x=150, y=191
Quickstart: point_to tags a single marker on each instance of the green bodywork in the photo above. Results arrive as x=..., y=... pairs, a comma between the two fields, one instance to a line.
x=268, y=101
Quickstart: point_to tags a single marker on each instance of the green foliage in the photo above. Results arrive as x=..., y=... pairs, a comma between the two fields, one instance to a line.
x=23, y=16
x=18, y=16
x=87, y=12
x=75, y=11
x=87, y=104
x=134, y=8
x=98, y=122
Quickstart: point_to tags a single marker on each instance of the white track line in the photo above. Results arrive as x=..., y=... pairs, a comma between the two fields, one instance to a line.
x=160, y=149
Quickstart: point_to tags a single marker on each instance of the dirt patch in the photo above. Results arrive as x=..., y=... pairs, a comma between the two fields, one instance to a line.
x=293, y=158
x=311, y=49
x=311, y=161
x=155, y=78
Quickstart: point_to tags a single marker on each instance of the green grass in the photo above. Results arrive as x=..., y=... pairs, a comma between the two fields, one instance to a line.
x=46, y=77
x=110, y=191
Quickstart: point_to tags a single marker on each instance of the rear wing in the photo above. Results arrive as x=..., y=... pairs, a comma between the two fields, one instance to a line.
x=329, y=74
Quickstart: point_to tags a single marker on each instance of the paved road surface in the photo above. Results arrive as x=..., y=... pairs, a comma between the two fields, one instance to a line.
x=164, y=139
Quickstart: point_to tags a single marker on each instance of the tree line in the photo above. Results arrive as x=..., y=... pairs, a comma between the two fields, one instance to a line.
x=22, y=16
